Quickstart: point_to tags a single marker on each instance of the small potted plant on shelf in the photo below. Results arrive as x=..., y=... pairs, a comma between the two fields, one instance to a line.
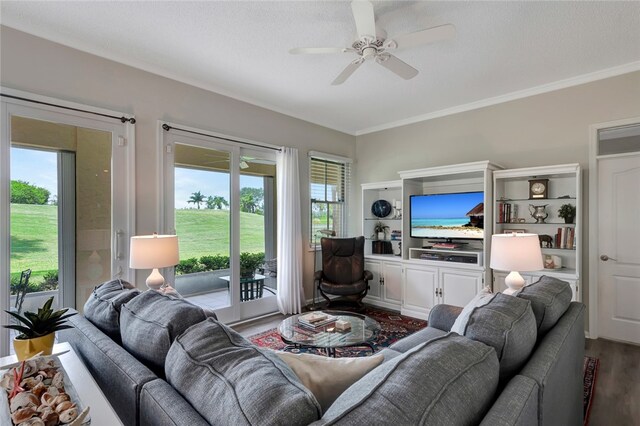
x=567, y=212
x=380, y=231
x=38, y=330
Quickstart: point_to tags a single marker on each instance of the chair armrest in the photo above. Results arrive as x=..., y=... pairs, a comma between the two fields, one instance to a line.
x=368, y=276
x=443, y=316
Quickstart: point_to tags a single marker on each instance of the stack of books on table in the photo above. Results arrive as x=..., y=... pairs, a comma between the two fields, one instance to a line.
x=316, y=319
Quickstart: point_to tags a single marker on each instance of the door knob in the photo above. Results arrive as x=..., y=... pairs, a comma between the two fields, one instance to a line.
x=604, y=258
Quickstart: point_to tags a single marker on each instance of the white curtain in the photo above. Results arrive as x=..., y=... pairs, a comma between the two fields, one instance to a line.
x=290, y=291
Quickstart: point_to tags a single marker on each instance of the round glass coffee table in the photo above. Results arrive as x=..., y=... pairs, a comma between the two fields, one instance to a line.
x=363, y=331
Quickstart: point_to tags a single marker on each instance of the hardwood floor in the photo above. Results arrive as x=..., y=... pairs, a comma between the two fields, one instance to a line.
x=617, y=393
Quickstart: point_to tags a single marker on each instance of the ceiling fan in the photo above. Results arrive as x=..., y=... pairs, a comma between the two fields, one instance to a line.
x=372, y=45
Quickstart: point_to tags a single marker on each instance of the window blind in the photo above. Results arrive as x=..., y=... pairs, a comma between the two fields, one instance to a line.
x=329, y=193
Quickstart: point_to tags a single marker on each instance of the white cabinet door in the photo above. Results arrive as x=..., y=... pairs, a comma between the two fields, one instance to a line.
x=392, y=282
x=375, y=288
x=459, y=287
x=420, y=285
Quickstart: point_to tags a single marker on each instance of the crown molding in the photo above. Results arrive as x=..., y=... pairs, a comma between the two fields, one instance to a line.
x=545, y=88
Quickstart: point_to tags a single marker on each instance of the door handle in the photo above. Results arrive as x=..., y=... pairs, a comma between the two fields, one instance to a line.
x=118, y=245
x=604, y=258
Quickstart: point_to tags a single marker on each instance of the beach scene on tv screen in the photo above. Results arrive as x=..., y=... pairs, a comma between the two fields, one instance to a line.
x=448, y=215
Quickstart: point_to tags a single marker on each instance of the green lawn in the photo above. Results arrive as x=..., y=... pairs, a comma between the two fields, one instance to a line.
x=34, y=242
x=34, y=238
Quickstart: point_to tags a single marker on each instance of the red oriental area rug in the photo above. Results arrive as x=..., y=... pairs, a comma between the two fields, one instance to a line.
x=393, y=328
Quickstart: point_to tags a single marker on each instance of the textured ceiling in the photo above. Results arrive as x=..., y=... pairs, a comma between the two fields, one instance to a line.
x=240, y=49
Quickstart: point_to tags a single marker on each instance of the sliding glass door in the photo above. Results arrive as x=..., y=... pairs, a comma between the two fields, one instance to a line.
x=219, y=200
x=66, y=215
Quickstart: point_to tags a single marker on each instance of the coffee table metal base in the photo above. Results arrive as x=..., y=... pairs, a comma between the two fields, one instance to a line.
x=331, y=352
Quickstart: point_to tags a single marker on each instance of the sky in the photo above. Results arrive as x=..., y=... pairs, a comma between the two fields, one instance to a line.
x=37, y=167
x=40, y=168
x=444, y=206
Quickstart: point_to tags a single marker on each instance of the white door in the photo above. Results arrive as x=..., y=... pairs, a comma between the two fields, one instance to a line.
x=374, y=284
x=420, y=291
x=458, y=287
x=392, y=282
x=90, y=213
x=619, y=248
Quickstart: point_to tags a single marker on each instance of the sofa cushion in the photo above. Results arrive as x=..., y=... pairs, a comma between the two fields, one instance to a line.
x=103, y=306
x=481, y=299
x=413, y=340
x=449, y=380
x=230, y=381
x=328, y=377
x=507, y=324
x=550, y=298
x=150, y=322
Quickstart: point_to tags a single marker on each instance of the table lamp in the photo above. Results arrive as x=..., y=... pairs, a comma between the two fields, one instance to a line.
x=515, y=253
x=153, y=252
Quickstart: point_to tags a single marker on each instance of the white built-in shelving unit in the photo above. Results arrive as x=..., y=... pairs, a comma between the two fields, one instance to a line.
x=564, y=187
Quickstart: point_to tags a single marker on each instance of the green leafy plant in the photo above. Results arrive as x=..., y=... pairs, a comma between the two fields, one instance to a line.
x=567, y=210
x=249, y=262
x=39, y=324
x=379, y=227
x=213, y=263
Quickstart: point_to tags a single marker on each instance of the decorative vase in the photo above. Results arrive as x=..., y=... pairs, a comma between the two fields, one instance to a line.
x=26, y=348
x=538, y=213
x=568, y=219
x=381, y=235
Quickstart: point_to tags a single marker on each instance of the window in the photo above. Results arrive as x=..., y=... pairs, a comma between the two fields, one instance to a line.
x=329, y=179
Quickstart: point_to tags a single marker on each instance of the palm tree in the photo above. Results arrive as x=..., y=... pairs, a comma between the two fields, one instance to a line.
x=196, y=198
x=247, y=203
x=216, y=202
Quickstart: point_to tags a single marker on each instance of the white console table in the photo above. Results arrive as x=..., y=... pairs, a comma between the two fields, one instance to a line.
x=101, y=412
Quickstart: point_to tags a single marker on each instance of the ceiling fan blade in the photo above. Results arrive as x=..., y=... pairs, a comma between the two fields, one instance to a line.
x=346, y=73
x=364, y=17
x=443, y=32
x=397, y=66
x=319, y=50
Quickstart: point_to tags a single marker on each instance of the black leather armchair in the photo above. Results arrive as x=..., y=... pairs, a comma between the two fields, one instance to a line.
x=343, y=271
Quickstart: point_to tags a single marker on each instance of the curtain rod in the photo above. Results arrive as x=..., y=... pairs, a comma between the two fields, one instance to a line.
x=166, y=127
x=122, y=119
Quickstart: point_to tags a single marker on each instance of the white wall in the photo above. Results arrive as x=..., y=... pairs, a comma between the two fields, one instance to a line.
x=39, y=66
x=546, y=129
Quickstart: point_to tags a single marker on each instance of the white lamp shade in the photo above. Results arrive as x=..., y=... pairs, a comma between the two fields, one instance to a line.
x=153, y=251
x=516, y=252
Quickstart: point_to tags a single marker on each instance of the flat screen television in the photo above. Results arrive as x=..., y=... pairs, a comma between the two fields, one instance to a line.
x=458, y=216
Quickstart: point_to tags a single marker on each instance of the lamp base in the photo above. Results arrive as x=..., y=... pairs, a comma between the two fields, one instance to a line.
x=515, y=282
x=155, y=280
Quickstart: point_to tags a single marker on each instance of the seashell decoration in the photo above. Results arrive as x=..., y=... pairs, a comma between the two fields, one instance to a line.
x=36, y=395
x=69, y=415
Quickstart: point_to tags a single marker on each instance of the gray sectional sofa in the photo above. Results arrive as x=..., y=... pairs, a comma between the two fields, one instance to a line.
x=515, y=361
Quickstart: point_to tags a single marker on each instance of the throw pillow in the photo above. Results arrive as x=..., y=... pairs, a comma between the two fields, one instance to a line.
x=328, y=377
x=481, y=299
x=150, y=322
x=550, y=298
x=230, y=381
x=450, y=380
x=103, y=306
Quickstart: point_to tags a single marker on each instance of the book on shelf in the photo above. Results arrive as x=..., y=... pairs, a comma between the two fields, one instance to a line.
x=505, y=212
x=565, y=238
